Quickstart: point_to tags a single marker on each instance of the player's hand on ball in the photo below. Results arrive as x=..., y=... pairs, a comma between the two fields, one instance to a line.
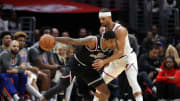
x=98, y=64
x=47, y=42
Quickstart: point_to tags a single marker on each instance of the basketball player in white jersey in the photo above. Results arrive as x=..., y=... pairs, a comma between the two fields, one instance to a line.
x=123, y=57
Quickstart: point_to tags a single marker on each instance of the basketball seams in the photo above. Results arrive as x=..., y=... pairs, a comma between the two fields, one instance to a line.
x=47, y=42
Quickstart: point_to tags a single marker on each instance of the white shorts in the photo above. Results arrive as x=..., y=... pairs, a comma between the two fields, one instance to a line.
x=116, y=67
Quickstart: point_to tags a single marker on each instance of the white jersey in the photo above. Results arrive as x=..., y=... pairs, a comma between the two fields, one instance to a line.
x=127, y=48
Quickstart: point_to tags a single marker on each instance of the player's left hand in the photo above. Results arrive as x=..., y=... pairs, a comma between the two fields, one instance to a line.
x=98, y=64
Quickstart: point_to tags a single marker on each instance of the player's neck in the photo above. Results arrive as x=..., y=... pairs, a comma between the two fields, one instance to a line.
x=110, y=26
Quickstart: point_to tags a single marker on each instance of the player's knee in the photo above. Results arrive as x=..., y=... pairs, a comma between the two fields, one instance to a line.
x=43, y=76
x=136, y=89
x=137, y=94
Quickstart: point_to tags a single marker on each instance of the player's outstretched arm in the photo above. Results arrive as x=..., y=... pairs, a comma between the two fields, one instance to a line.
x=71, y=41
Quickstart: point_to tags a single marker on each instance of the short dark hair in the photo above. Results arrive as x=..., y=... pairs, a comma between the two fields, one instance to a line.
x=42, y=29
x=153, y=46
x=104, y=10
x=5, y=33
x=109, y=35
x=174, y=61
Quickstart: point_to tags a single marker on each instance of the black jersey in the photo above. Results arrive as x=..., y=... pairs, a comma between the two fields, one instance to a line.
x=86, y=56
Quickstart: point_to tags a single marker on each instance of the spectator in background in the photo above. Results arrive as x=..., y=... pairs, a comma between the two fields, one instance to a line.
x=37, y=35
x=83, y=32
x=155, y=32
x=171, y=51
x=157, y=36
x=45, y=30
x=6, y=38
x=176, y=38
x=2, y=24
x=65, y=34
x=60, y=54
x=55, y=32
x=149, y=62
x=70, y=52
x=133, y=42
x=13, y=23
x=161, y=51
x=166, y=87
x=147, y=42
x=178, y=48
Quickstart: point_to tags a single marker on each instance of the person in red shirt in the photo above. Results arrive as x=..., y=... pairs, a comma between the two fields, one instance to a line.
x=166, y=81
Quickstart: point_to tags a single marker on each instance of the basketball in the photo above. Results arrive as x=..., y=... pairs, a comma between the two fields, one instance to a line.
x=47, y=42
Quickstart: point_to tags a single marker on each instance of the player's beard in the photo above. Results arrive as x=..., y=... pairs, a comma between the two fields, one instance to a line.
x=7, y=44
x=14, y=52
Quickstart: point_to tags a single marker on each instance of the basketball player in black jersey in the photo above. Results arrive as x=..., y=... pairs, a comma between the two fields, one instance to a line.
x=91, y=48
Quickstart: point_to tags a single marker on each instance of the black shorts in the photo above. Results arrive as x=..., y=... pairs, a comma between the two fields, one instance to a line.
x=87, y=74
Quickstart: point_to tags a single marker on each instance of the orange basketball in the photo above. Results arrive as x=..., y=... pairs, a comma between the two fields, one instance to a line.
x=47, y=42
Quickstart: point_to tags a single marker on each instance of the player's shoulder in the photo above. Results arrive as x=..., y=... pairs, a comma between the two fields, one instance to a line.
x=121, y=29
x=33, y=50
x=4, y=54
